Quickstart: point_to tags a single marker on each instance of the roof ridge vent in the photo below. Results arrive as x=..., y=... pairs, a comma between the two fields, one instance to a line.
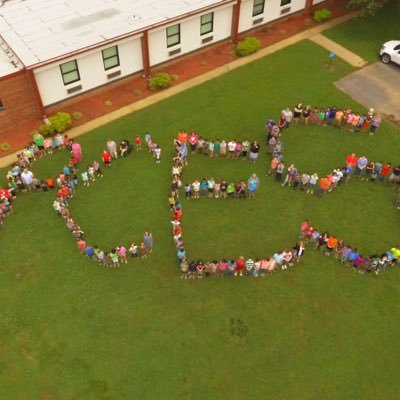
x=134, y=18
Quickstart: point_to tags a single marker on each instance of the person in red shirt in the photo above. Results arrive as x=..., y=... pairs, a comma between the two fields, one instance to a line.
x=106, y=157
x=304, y=226
x=67, y=141
x=351, y=160
x=50, y=183
x=324, y=185
x=240, y=263
x=182, y=137
x=73, y=161
x=138, y=143
x=385, y=171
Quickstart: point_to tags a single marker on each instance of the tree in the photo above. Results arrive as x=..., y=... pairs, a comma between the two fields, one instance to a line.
x=368, y=8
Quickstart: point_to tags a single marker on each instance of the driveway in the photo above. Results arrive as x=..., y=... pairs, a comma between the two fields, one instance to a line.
x=376, y=86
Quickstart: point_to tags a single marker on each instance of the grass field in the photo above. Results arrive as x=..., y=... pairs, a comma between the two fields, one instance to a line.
x=366, y=36
x=72, y=330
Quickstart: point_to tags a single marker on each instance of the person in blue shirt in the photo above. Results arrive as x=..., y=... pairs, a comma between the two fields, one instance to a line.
x=252, y=185
x=352, y=255
x=203, y=187
x=89, y=250
x=181, y=254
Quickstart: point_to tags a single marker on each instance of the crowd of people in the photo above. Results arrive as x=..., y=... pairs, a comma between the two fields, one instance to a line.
x=233, y=149
x=346, y=254
x=341, y=118
x=66, y=183
x=359, y=167
x=21, y=178
x=207, y=188
x=220, y=189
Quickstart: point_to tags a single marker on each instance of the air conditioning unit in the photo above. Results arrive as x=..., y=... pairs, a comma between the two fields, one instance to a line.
x=207, y=39
x=174, y=52
x=114, y=74
x=74, y=89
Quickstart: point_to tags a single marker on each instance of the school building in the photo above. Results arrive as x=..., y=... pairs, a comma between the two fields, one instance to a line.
x=52, y=50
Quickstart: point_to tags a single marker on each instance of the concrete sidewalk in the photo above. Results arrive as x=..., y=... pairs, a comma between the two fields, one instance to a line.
x=347, y=55
x=138, y=105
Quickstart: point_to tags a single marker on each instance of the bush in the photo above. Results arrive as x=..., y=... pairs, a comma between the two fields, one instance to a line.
x=46, y=130
x=76, y=115
x=247, y=46
x=5, y=146
x=322, y=15
x=61, y=121
x=161, y=81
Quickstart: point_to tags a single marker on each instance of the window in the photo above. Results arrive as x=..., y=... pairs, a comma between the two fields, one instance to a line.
x=206, y=23
x=285, y=2
x=258, y=7
x=110, y=57
x=173, y=35
x=70, y=72
x=1, y=106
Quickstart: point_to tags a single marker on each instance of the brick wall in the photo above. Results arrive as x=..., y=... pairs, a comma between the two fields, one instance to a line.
x=18, y=102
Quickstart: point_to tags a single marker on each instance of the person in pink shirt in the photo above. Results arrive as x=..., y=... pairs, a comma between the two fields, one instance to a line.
x=47, y=146
x=76, y=150
x=222, y=267
x=193, y=138
x=349, y=121
x=121, y=251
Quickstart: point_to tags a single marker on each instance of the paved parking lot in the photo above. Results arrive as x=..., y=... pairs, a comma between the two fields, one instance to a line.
x=377, y=86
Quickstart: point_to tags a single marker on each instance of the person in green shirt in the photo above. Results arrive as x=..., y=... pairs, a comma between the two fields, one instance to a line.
x=231, y=189
x=39, y=141
x=217, y=147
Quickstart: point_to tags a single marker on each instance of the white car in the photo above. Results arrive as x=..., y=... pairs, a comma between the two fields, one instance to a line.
x=390, y=51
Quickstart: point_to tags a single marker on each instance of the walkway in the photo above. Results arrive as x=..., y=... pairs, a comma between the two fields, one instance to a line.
x=347, y=55
x=177, y=88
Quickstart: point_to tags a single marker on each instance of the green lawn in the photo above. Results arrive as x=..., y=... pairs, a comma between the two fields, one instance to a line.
x=72, y=330
x=366, y=36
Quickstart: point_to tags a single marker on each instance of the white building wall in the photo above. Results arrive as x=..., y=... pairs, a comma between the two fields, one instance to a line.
x=190, y=35
x=91, y=70
x=272, y=11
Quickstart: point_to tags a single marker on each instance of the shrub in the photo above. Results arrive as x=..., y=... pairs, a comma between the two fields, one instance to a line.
x=247, y=46
x=174, y=77
x=161, y=81
x=76, y=115
x=108, y=103
x=322, y=15
x=5, y=146
x=61, y=121
x=46, y=130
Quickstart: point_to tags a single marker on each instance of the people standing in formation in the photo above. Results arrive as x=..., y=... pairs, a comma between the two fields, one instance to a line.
x=219, y=189
x=212, y=189
x=343, y=118
x=360, y=167
x=119, y=254
x=346, y=254
x=21, y=178
x=233, y=149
